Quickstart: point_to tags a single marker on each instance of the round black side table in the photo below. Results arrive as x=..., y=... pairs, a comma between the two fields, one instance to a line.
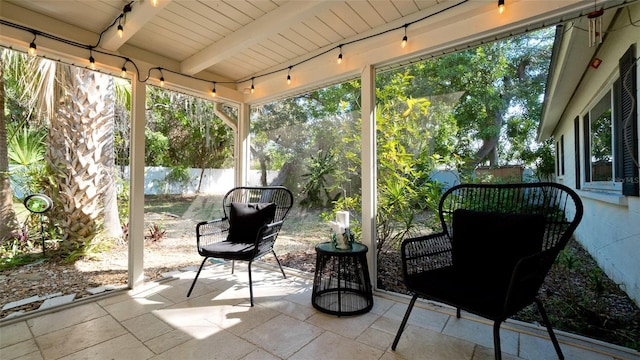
x=341, y=284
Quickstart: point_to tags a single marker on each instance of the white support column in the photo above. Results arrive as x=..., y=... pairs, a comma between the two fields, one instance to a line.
x=136, y=187
x=242, y=148
x=368, y=149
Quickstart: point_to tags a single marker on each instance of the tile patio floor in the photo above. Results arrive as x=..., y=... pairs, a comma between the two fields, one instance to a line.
x=216, y=322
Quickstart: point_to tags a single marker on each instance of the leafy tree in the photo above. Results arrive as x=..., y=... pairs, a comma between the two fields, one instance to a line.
x=502, y=84
x=183, y=132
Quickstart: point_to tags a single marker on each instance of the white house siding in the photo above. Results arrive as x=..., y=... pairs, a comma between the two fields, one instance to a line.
x=610, y=228
x=611, y=234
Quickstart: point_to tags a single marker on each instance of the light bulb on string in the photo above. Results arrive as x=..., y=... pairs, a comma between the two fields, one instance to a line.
x=253, y=88
x=213, y=90
x=500, y=6
x=120, y=31
x=161, y=77
x=340, y=55
x=289, y=76
x=92, y=61
x=123, y=72
x=33, y=49
x=154, y=3
x=404, y=39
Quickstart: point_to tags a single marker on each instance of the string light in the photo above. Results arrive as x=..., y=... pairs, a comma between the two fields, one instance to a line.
x=92, y=61
x=500, y=6
x=32, y=46
x=120, y=31
x=33, y=49
x=128, y=8
x=213, y=91
x=289, y=76
x=161, y=78
x=404, y=39
x=123, y=73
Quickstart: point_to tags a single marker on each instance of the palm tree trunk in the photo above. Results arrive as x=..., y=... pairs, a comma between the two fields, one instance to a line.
x=77, y=154
x=8, y=220
x=112, y=226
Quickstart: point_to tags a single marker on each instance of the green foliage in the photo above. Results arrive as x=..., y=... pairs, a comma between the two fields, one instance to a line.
x=494, y=93
x=157, y=148
x=405, y=128
x=26, y=150
x=183, y=131
x=16, y=244
x=178, y=175
x=316, y=187
x=155, y=233
x=543, y=158
x=123, y=199
x=87, y=248
x=26, y=146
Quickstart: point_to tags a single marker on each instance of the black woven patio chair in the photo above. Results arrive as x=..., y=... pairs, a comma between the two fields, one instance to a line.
x=497, y=246
x=252, y=220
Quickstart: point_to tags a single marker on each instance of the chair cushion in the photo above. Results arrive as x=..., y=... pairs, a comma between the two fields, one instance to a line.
x=229, y=250
x=246, y=219
x=487, y=246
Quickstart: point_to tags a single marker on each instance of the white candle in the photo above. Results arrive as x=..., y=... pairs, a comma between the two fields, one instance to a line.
x=342, y=217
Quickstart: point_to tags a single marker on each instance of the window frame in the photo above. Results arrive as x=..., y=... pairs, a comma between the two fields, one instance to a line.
x=614, y=184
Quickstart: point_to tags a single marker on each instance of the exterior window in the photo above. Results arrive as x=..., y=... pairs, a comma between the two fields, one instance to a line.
x=560, y=156
x=601, y=140
x=610, y=131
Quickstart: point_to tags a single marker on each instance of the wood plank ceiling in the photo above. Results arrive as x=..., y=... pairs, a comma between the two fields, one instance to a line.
x=232, y=41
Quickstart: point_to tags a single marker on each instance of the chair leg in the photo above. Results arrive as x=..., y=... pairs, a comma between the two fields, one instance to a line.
x=233, y=266
x=250, y=285
x=458, y=313
x=278, y=260
x=404, y=321
x=547, y=323
x=496, y=340
x=196, y=278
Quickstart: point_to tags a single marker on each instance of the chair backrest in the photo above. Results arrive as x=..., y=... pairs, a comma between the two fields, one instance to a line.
x=560, y=206
x=279, y=195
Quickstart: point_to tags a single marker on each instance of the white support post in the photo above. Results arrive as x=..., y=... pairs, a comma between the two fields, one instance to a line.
x=368, y=149
x=242, y=148
x=136, y=188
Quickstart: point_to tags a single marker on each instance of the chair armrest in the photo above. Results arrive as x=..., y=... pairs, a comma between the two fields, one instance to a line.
x=266, y=237
x=426, y=253
x=527, y=278
x=211, y=231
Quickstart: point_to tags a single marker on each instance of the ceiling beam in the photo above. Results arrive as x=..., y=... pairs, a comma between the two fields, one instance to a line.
x=275, y=21
x=141, y=13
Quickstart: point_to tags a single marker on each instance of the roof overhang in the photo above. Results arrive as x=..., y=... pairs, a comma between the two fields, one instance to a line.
x=436, y=28
x=571, y=58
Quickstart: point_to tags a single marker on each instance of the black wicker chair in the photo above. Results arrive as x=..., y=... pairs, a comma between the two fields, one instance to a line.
x=252, y=220
x=497, y=246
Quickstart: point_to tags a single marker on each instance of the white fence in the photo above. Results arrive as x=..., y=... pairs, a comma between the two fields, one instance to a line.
x=214, y=181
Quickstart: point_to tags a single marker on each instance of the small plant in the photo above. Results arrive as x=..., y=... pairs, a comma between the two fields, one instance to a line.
x=125, y=232
x=17, y=243
x=567, y=260
x=156, y=233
